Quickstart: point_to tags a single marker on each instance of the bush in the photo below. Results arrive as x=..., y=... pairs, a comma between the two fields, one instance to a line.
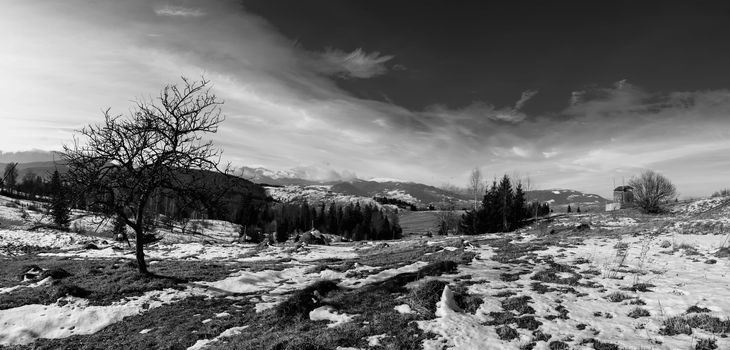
x=722, y=193
x=303, y=301
x=652, y=190
x=428, y=294
x=119, y=230
x=639, y=312
x=706, y=344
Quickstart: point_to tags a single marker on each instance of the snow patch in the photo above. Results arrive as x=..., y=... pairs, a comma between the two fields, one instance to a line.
x=327, y=313
x=202, y=343
x=374, y=340
x=404, y=309
x=383, y=275
x=32, y=285
x=73, y=316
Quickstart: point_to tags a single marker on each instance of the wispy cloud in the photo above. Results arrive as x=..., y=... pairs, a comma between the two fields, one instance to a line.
x=526, y=96
x=355, y=64
x=484, y=113
x=179, y=11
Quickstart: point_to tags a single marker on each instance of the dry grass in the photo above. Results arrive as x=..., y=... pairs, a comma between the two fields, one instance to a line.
x=102, y=281
x=639, y=312
x=684, y=324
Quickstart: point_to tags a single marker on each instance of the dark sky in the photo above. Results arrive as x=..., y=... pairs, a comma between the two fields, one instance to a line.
x=456, y=52
x=573, y=94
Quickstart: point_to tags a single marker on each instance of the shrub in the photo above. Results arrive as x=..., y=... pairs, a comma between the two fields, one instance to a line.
x=652, y=190
x=696, y=309
x=706, y=344
x=639, y=312
x=617, y=297
x=119, y=230
x=507, y=333
x=303, y=301
x=722, y=193
x=428, y=294
x=684, y=324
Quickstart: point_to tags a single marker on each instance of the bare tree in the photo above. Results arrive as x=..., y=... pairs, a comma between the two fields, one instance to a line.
x=476, y=185
x=121, y=163
x=10, y=176
x=652, y=190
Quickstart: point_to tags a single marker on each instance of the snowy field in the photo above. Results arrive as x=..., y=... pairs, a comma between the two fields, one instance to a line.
x=599, y=281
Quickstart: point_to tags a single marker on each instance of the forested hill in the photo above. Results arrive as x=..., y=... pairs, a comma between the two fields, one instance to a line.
x=564, y=197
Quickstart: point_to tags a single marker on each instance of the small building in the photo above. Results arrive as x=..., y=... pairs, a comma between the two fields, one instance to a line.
x=624, y=196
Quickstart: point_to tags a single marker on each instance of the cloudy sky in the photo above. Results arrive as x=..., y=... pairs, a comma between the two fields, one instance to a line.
x=572, y=95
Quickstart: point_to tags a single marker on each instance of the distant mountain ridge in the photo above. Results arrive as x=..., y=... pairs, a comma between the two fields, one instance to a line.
x=42, y=169
x=410, y=192
x=565, y=197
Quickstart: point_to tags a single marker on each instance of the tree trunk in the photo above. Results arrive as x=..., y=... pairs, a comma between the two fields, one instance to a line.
x=139, y=245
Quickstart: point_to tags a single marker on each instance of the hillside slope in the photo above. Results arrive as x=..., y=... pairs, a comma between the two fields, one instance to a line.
x=565, y=197
x=411, y=192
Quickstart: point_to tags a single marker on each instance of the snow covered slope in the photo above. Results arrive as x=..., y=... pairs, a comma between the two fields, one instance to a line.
x=565, y=197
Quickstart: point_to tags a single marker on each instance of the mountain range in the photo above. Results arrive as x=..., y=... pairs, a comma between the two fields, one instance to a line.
x=290, y=186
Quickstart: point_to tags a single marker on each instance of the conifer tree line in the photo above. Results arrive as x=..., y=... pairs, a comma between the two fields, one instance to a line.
x=504, y=208
x=397, y=202
x=31, y=186
x=537, y=209
x=352, y=221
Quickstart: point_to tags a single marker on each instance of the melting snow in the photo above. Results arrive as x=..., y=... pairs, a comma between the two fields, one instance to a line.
x=327, y=313
x=24, y=324
x=202, y=343
x=404, y=309
x=32, y=285
x=375, y=339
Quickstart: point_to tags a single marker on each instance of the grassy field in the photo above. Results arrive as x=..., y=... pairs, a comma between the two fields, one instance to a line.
x=422, y=222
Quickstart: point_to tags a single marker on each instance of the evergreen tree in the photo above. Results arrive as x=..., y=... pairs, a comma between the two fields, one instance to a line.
x=466, y=226
x=332, y=226
x=503, y=209
x=518, y=206
x=386, y=230
x=322, y=218
x=366, y=224
x=487, y=217
x=348, y=221
x=60, y=209
x=305, y=218
x=578, y=210
x=505, y=197
x=282, y=231
x=340, y=222
x=569, y=210
x=443, y=228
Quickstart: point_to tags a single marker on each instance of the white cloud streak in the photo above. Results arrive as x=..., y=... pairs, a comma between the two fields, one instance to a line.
x=526, y=96
x=179, y=11
x=355, y=64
